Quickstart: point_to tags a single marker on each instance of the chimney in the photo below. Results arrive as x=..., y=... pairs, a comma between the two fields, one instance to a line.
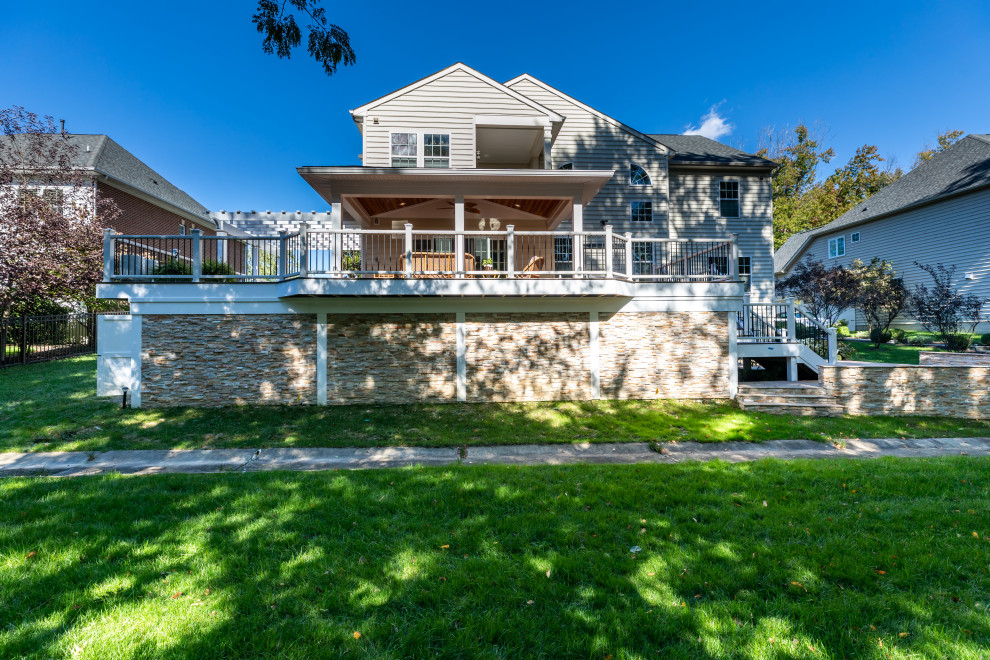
x=63, y=124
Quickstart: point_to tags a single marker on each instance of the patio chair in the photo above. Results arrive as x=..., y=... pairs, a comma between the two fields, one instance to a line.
x=531, y=270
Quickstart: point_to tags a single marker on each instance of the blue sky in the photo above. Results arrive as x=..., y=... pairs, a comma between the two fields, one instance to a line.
x=188, y=90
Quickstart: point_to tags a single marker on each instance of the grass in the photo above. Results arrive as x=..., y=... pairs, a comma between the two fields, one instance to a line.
x=53, y=406
x=893, y=353
x=830, y=559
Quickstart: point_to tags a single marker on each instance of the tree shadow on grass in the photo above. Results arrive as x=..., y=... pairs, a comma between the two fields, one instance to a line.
x=454, y=562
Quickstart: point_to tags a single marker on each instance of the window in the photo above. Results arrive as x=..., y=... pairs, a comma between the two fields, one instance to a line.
x=484, y=249
x=563, y=250
x=728, y=199
x=433, y=244
x=436, y=150
x=836, y=247
x=855, y=237
x=566, y=166
x=746, y=272
x=404, y=152
x=55, y=197
x=718, y=266
x=638, y=176
x=643, y=258
x=641, y=212
x=182, y=230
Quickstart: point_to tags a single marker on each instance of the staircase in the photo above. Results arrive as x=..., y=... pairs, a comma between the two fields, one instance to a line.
x=783, y=397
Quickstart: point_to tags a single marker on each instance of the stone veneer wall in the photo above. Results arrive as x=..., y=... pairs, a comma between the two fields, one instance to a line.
x=676, y=355
x=909, y=389
x=528, y=357
x=391, y=358
x=212, y=360
x=928, y=358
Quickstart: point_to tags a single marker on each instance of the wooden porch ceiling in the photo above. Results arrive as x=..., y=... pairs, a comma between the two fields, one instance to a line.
x=378, y=206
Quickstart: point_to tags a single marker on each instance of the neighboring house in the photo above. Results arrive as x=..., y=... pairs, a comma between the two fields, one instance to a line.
x=938, y=212
x=500, y=242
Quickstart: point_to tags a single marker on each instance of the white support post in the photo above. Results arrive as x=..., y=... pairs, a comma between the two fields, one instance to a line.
x=409, y=249
x=461, y=376
x=197, y=256
x=629, y=256
x=282, y=259
x=459, y=264
x=337, y=240
x=608, y=251
x=547, y=147
x=833, y=346
x=791, y=324
x=303, y=249
x=595, y=359
x=222, y=247
x=733, y=356
x=321, y=358
x=578, y=225
x=792, y=369
x=510, y=251
x=734, y=258
x=108, y=249
x=255, y=258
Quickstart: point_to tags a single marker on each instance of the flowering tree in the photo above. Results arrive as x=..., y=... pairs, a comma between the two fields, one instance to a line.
x=825, y=291
x=51, y=224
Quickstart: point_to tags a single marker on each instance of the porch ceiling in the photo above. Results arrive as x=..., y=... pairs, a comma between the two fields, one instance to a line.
x=411, y=208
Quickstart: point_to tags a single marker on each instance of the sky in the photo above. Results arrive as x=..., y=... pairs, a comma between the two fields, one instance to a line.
x=186, y=88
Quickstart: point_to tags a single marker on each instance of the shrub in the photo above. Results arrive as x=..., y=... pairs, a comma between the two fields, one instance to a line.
x=882, y=295
x=899, y=335
x=173, y=266
x=958, y=343
x=918, y=340
x=944, y=309
x=176, y=266
x=846, y=351
x=878, y=336
x=985, y=339
x=842, y=331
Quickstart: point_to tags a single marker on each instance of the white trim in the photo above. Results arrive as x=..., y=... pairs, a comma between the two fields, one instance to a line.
x=461, y=356
x=503, y=121
x=739, y=193
x=828, y=247
x=459, y=66
x=638, y=186
x=854, y=237
x=594, y=355
x=321, y=358
x=588, y=108
x=641, y=222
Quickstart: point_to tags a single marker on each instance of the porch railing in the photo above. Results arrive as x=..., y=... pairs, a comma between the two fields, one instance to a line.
x=409, y=253
x=787, y=322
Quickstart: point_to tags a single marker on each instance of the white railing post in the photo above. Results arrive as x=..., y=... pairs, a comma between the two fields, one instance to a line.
x=282, y=257
x=197, y=256
x=303, y=249
x=108, y=245
x=608, y=251
x=833, y=346
x=791, y=325
x=734, y=258
x=629, y=256
x=409, y=249
x=255, y=258
x=578, y=243
x=510, y=251
x=459, y=260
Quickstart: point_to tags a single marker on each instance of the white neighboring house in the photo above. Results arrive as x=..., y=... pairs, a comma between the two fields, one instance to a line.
x=500, y=241
x=938, y=212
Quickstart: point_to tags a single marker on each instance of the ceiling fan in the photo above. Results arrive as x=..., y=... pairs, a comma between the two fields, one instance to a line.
x=469, y=207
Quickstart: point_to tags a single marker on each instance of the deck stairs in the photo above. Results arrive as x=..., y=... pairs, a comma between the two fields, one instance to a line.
x=784, y=397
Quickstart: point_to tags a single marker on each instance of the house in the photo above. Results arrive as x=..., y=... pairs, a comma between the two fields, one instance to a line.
x=499, y=242
x=938, y=212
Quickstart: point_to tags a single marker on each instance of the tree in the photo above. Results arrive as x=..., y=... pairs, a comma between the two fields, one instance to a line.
x=882, y=295
x=945, y=140
x=327, y=43
x=825, y=291
x=944, y=309
x=861, y=178
x=51, y=245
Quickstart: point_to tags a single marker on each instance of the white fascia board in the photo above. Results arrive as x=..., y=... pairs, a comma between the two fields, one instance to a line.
x=510, y=121
x=588, y=108
x=459, y=66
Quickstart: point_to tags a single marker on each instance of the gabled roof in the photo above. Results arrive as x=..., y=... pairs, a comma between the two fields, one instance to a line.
x=587, y=108
x=100, y=154
x=962, y=168
x=699, y=150
x=459, y=66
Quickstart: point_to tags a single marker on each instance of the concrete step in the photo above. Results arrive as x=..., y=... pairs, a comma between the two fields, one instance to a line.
x=795, y=408
x=754, y=398
x=781, y=391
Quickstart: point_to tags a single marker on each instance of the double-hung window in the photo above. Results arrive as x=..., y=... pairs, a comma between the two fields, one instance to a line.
x=746, y=272
x=641, y=211
x=728, y=199
x=436, y=150
x=836, y=247
x=643, y=258
x=404, y=151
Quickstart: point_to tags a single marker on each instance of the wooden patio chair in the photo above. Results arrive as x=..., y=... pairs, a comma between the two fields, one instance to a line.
x=530, y=271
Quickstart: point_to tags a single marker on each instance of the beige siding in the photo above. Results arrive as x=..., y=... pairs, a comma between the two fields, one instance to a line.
x=448, y=104
x=694, y=214
x=955, y=231
x=592, y=143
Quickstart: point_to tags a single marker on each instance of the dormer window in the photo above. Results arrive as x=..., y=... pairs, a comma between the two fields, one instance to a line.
x=566, y=166
x=638, y=176
x=404, y=152
x=436, y=150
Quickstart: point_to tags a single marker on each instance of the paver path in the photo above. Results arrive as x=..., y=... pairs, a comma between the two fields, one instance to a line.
x=75, y=464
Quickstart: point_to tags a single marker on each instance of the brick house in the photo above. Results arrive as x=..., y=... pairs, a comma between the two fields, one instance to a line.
x=500, y=242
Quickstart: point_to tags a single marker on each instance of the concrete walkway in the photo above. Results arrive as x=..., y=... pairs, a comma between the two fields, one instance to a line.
x=75, y=464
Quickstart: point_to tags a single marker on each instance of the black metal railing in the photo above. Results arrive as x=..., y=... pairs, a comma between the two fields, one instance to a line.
x=29, y=339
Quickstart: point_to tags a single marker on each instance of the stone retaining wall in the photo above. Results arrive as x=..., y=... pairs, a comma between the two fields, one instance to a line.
x=909, y=390
x=954, y=359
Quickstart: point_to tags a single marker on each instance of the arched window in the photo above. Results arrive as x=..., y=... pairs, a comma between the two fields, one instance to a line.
x=566, y=166
x=638, y=176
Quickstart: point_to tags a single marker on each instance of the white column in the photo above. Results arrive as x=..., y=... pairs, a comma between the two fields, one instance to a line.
x=733, y=356
x=578, y=225
x=108, y=249
x=321, y=358
x=791, y=321
x=461, y=357
x=792, y=369
x=197, y=255
x=510, y=251
x=547, y=142
x=337, y=241
x=594, y=358
x=303, y=249
x=608, y=251
x=459, y=237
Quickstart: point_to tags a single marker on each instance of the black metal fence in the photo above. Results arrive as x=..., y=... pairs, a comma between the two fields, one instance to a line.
x=28, y=339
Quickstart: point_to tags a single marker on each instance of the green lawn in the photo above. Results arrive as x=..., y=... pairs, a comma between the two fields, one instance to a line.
x=52, y=406
x=829, y=559
x=896, y=353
